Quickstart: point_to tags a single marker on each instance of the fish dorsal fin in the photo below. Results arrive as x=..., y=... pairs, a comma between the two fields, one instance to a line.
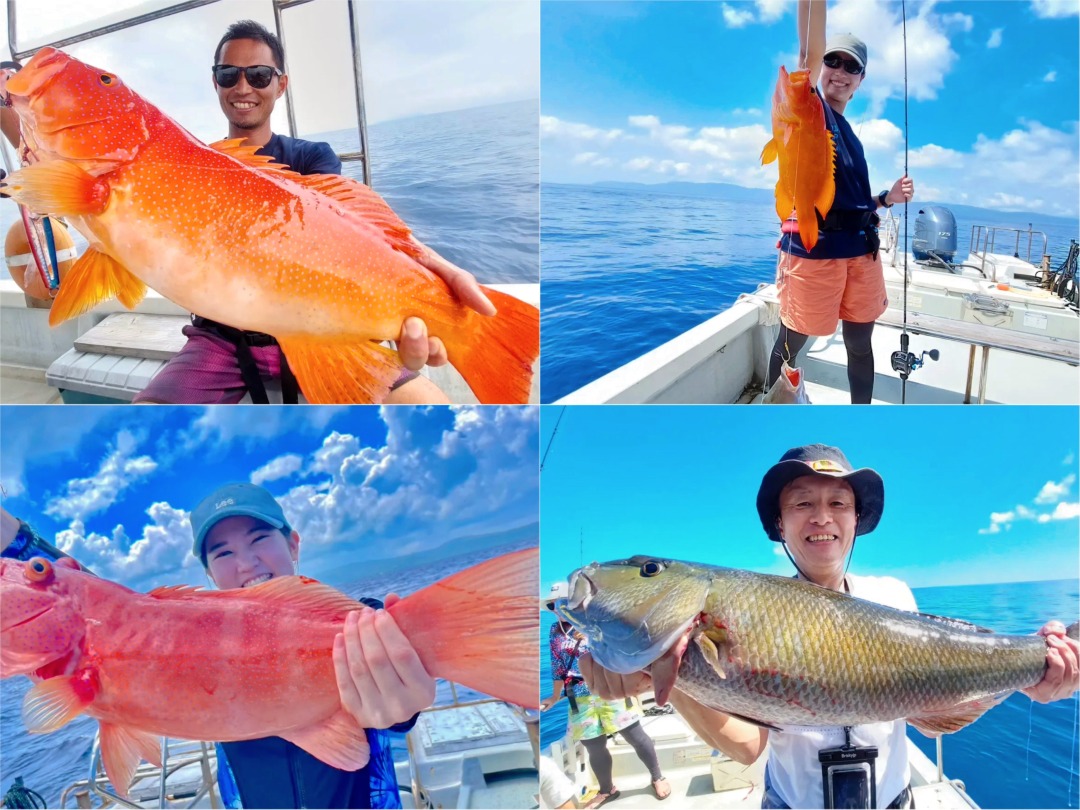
x=956, y=717
x=350, y=194
x=298, y=593
x=240, y=149
x=956, y=624
x=368, y=205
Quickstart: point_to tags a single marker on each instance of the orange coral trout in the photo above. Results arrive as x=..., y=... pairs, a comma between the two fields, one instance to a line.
x=806, y=153
x=243, y=664
x=320, y=262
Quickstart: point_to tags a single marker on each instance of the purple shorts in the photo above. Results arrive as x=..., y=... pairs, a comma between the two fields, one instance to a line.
x=206, y=372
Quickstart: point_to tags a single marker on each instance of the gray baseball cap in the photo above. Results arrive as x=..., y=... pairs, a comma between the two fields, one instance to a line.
x=229, y=501
x=849, y=44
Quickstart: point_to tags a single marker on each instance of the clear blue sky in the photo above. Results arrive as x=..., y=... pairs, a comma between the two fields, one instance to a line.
x=653, y=92
x=113, y=485
x=964, y=487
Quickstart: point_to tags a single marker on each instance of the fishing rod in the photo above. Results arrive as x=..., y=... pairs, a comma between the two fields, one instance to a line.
x=552, y=439
x=905, y=361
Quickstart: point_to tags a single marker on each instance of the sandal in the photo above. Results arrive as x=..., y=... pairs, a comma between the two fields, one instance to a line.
x=656, y=788
x=603, y=798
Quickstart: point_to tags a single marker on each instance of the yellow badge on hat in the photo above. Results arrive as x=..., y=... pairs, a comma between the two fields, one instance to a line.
x=826, y=465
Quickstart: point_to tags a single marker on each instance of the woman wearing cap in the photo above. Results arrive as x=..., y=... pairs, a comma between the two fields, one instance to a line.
x=243, y=539
x=815, y=504
x=841, y=278
x=594, y=719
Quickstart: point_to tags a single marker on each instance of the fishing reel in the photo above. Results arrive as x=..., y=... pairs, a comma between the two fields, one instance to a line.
x=906, y=362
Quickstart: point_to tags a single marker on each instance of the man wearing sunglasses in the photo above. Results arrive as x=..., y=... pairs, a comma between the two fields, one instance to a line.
x=841, y=278
x=219, y=363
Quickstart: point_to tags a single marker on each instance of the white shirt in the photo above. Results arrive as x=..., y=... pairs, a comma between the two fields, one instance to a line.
x=794, y=769
x=556, y=789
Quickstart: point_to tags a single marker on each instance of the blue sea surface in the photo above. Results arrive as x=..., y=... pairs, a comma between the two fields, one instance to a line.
x=1020, y=753
x=466, y=182
x=50, y=762
x=627, y=269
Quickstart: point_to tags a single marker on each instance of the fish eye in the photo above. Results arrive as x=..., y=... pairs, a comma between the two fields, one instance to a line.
x=107, y=79
x=650, y=568
x=38, y=569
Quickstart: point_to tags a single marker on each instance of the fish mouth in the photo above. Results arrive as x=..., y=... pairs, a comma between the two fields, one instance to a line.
x=624, y=652
x=9, y=627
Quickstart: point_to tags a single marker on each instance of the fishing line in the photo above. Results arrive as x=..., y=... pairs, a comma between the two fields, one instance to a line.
x=903, y=333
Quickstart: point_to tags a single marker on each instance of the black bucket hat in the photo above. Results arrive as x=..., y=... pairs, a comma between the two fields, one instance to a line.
x=830, y=462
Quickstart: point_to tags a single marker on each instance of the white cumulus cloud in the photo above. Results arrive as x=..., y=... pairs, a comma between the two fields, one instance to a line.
x=736, y=17
x=1055, y=8
x=118, y=470
x=995, y=38
x=280, y=467
x=552, y=127
x=1051, y=76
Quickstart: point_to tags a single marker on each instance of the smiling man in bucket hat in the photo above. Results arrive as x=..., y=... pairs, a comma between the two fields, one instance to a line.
x=243, y=539
x=815, y=502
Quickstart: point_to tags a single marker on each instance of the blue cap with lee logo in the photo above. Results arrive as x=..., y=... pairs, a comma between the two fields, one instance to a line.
x=229, y=501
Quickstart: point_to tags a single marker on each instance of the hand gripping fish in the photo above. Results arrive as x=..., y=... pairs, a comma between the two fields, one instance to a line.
x=781, y=651
x=806, y=153
x=243, y=664
x=320, y=262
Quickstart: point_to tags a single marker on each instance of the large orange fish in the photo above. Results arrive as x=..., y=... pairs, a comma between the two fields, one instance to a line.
x=320, y=262
x=806, y=153
x=243, y=664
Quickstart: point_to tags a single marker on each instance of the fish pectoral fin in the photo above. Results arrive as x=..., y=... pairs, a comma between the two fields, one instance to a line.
x=339, y=741
x=121, y=750
x=58, y=187
x=96, y=277
x=769, y=153
x=707, y=642
x=335, y=373
x=455, y=623
x=53, y=703
x=956, y=717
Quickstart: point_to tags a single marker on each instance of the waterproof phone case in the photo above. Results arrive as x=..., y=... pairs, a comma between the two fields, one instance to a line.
x=848, y=778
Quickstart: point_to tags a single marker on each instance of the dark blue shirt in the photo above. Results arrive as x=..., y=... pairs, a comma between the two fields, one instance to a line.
x=852, y=194
x=305, y=157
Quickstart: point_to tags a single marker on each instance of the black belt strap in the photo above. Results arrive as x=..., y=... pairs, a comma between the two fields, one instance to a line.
x=249, y=371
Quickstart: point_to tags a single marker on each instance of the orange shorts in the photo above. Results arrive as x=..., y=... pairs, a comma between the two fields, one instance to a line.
x=816, y=293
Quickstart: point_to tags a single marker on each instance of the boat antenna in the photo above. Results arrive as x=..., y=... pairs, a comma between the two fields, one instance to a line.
x=556, y=430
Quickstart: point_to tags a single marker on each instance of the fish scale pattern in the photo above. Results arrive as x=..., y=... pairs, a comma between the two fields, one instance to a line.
x=797, y=654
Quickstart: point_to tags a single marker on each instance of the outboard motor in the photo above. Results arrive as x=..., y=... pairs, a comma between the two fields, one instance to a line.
x=935, y=232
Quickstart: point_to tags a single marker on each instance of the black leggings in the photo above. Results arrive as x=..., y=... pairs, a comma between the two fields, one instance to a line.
x=600, y=757
x=860, y=357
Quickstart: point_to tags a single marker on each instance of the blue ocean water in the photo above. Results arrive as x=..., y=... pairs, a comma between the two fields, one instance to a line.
x=50, y=762
x=627, y=269
x=1019, y=754
x=466, y=182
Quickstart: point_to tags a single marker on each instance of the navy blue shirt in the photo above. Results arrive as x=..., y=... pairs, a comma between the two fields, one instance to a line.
x=304, y=157
x=852, y=194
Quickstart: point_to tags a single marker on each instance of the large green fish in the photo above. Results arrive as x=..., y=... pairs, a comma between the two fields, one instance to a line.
x=781, y=651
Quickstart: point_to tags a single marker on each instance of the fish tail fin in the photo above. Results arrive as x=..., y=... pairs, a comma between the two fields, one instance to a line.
x=481, y=627
x=495, y=354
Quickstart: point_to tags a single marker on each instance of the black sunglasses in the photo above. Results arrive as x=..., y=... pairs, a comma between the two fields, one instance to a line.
x=258, y=76
x=833, y=61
